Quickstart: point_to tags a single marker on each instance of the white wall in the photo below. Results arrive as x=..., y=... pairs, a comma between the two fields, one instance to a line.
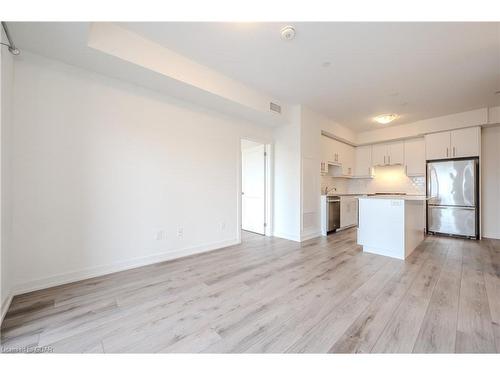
x=287, y=178
x=6, y=92
x=312, y=124
x=101, y=166
x=183, y=74
x=490, y=171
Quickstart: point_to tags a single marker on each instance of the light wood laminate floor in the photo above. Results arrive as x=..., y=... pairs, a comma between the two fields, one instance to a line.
x=274, y=295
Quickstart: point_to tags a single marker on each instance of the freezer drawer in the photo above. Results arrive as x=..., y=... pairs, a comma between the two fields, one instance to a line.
x=452, y=220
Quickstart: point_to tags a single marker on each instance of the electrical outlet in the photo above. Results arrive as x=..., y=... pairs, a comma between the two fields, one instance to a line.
x=180, y=232
x=223, y=226
x=159, y=235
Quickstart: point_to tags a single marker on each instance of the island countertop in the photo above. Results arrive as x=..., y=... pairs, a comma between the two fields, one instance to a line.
x=395, y=197
x=391, y=225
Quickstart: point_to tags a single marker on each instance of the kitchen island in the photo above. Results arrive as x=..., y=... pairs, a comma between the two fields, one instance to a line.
x=391, y=225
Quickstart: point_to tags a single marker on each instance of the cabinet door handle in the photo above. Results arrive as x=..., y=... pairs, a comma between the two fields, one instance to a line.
x=453, y=150
x=389, y=157
x=384, y=159
x=446, y=151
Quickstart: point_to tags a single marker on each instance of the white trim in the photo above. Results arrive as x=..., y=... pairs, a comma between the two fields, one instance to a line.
x=383, y=252
x=309, y=236
x=489, y=235
x=287, y=236
x=5, y=306
x=268, y=188
x=116, y=267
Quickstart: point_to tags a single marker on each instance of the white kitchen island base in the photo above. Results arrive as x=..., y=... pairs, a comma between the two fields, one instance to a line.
x=391, y=226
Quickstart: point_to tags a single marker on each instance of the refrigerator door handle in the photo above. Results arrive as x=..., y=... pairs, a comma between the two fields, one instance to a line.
x=452, y=207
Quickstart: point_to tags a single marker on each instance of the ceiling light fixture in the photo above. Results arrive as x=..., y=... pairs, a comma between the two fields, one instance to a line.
x=287, y=33
x=385, y=119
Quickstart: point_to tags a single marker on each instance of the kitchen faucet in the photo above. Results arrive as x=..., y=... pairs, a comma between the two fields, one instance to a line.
x=327, y=189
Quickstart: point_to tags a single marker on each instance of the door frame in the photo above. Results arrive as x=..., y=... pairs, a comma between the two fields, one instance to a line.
x=268, y=186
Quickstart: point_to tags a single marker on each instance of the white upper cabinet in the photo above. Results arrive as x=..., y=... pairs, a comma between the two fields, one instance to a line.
x=395, y=153
x=388, y=153
x=338, y=154
x=330, y=150
x=363, y=161
x=347, y=159
x=465, y=142
x=415, y=157
x=437, y=146
x=379, y=154
x=453, y=144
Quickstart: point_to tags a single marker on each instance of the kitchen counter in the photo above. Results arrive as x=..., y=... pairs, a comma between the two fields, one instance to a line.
x=393, y=197
x=392, y=226
x=343, y=195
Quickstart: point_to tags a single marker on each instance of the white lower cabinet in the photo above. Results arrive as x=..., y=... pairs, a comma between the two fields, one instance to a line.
x=348, y=211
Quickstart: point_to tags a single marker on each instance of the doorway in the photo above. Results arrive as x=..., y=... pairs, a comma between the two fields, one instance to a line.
x=254, y=170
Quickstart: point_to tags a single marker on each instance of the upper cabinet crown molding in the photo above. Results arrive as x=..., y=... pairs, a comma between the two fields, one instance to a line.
x=453, y=144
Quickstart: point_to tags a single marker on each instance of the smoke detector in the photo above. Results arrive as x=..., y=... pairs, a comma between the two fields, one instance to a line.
x=287, y=33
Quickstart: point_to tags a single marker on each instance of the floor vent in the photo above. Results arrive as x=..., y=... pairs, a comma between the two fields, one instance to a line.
x=275, y=107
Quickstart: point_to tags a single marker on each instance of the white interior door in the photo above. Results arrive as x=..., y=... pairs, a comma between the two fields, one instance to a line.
x=253, y=173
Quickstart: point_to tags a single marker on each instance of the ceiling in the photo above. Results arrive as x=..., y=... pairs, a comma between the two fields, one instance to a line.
x=417, y=70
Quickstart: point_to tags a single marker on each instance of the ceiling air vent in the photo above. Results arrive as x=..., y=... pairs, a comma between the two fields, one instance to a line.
x=275, y=107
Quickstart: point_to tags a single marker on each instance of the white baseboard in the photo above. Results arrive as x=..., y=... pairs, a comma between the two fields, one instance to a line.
x=5, y=306
x=494, y=236
x=287, y=236
x=386, y=253
x=116, y=267
x=309, y=236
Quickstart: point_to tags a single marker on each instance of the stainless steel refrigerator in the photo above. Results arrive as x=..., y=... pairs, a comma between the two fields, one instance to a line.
x=453, y=207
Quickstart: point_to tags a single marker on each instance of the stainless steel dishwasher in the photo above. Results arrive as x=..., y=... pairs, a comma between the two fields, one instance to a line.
x=333, y=213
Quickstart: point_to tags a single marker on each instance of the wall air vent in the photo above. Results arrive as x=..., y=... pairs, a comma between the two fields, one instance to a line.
x=275, y=107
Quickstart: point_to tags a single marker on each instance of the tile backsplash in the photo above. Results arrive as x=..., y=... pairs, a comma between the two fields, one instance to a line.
x=341, y=184
x=389, y=179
